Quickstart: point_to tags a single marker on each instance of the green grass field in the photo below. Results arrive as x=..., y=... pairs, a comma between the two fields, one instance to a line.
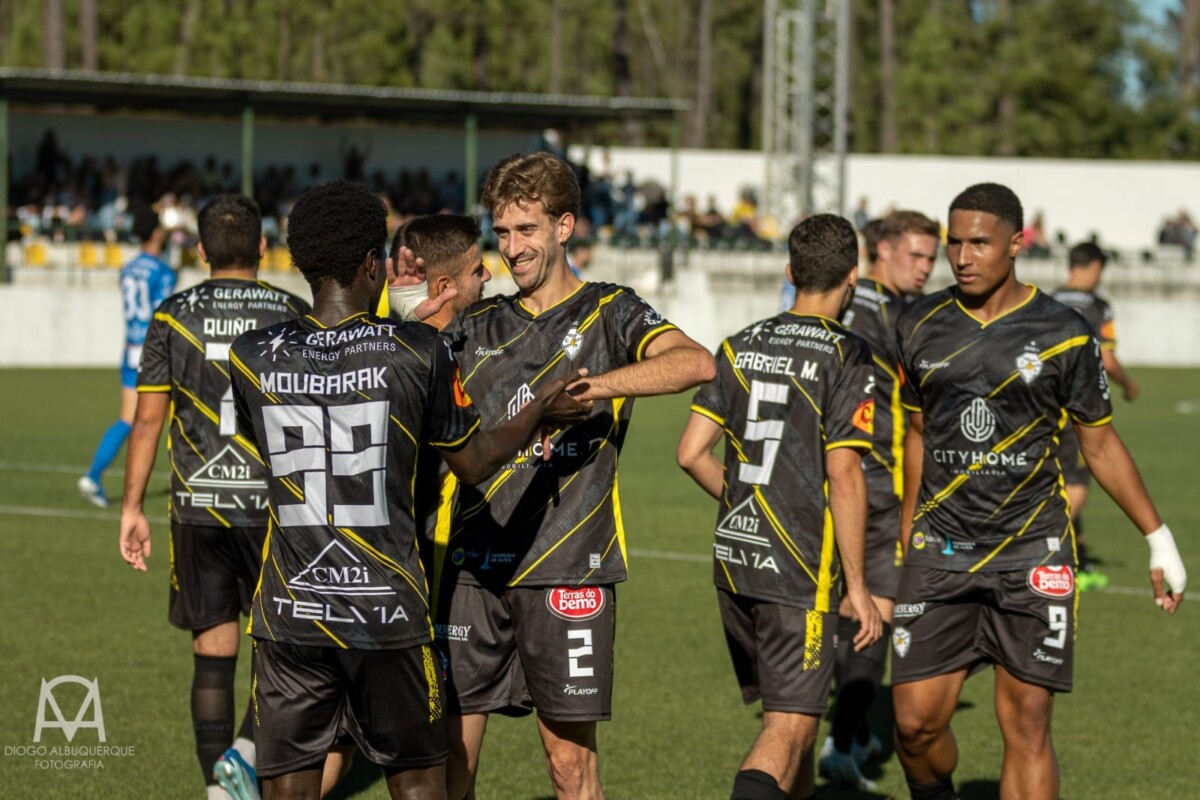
x=679, y=730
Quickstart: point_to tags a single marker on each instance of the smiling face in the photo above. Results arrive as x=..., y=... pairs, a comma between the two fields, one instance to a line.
x=981, y=248
x=534, y=245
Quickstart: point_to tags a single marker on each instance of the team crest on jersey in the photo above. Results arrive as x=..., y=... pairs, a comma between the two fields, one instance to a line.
x=977, y=421
x=652, y=318
x=901, y=641
x=575, y=603
x=572, y=342
x=864, y=417
x=1029, y=364
x=1052, y=582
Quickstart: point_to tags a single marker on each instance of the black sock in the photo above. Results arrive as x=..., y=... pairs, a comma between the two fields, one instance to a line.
x=859, y=681
x=212, y=709
x=754, y=784
x=938, y=790
x=246, y=731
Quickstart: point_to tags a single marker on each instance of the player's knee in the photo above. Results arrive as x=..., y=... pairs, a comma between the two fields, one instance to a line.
x=570, y=768
x=915, y=730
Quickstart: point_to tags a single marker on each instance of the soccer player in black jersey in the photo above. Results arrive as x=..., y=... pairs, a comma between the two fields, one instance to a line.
x=339, y=404
x=530, y=556
x=1086, y=262
x=993, y=370
x=905, y=245
x=794, y=399
x=218, y=499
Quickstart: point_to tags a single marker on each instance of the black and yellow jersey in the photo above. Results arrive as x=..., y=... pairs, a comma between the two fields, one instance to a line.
x=216, y=476
x=543, y=522
x=788, y=390
x=1095, y=309
x=340, y=416
x=995, y=398
x=872, y=315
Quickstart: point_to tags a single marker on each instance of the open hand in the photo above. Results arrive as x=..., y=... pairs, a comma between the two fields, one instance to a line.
x=135, y=539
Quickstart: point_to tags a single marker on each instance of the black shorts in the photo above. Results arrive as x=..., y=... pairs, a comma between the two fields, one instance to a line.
x=883, y=554
x=543, y=647
x=1074, y=469
x=389, y=701
x=213, y=574
x=1023, y=620
x=781, y=654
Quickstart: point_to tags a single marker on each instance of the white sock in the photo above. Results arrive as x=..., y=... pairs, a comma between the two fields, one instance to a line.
x=245, y=748
x=217, y=793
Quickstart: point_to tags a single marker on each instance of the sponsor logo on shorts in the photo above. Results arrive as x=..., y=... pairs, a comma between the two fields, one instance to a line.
x=453, y=633
x=571, y=689
x=909, y=610
x=918, y=541
x=1054, y=582
x=488, y=351
x=1042, y=655
x=577, y=604
x=1053, y=544
x=901, y=641
x=458, y=557
x=594, y=561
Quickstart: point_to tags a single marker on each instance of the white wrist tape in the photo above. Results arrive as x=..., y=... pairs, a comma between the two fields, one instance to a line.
x=1164, y=555
x=405, y=299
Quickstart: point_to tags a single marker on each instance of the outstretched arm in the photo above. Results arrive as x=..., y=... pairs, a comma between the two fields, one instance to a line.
x=489, y=450
x=695, y=454
x=1114, y=469
x=139, y=461
x=672, y=362
x=848, y=505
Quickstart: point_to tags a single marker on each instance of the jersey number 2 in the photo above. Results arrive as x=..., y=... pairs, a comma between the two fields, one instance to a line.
x=309, y=459
x=769, y=432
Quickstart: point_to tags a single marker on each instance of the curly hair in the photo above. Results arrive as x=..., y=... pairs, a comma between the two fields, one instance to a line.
x=532, y=177
x=991, y=198
x=230, y=229
x=822, y=250
x=331, y=230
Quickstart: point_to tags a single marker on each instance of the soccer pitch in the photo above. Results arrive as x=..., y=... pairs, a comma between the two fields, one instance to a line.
x=679, y=730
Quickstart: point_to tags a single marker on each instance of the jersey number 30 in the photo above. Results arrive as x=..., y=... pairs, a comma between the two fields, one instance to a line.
x=309, y=459
x=769, y=432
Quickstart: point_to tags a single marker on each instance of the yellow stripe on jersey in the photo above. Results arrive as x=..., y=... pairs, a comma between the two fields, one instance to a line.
x=897, y=441
x=577, y=290
x=1045, y=355
x=561, y=540
x=220, y=519
x=386, y=561
x=400, y=425
x=1036, y=469
x=408, y=347
x=808, y=397
x=982, y=324
x=242, y=368
x=283, y=583
x=781, y=533
x=649, y=337
x=1096, y=424
x=814, y=635
x=950, y=357
x=926, y=318
x=432, y=683
x=199, y=404
x=292, y=487
x=728, y=577
x=460, y=440
x=704, y=412
x=825, y=570
x=467, y=379
x=859, y=443
x=266, y=559
x=837, y=342
x=737, y=373
x=153, y=389
x=178, y=327
x=1009, y=540
x=441, y=536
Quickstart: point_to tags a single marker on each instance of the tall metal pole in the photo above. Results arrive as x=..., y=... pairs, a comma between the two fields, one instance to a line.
x=841, y=125
x=248, y=150
x=768, y=105
x=471, y=157
x=5, y=277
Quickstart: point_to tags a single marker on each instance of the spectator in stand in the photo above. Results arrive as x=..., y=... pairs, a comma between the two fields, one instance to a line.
x=1037, y=244
x=1179, y=230
x=745, y=216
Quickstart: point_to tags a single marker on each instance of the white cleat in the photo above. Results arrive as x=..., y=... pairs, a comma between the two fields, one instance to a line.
x=842, y=767
x=92, y=492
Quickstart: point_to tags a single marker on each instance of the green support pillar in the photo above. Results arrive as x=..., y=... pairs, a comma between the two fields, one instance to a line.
x=471, y=156
x=668, y=264
x=5, y=276
x=248, y=151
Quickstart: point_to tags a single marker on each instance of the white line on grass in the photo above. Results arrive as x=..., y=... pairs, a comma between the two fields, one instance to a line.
x=655, y=555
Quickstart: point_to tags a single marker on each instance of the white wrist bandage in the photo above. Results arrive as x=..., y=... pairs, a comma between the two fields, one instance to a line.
x=1164, y=555
x=405, y=299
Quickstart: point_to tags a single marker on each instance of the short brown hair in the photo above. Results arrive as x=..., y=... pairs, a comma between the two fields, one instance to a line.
x=530, y=177
x=440, y=239
x=899, y=223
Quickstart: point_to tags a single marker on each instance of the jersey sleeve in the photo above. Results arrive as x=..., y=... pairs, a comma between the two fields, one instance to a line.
x=1085, y=391
x=910, y=393
x=849, y=415
x=1107, y=329
x=154, y=372
x=709, y=399
x=451, y=416
x=637, y=324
